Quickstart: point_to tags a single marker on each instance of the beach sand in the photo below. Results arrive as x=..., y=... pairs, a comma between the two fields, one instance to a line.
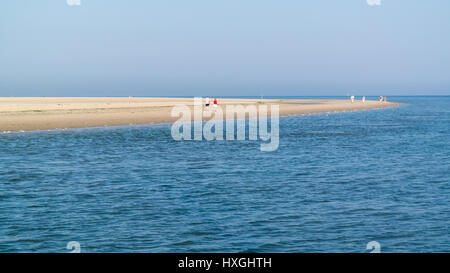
x=43, y=113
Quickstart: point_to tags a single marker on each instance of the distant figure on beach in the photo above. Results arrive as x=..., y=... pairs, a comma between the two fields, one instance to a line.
x=352, y=98
x=364, y=99
x=385, y=99
x=207, y=102
x=215, y=104
x=380, y=99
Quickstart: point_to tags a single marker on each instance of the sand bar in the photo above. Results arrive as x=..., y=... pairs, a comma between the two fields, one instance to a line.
x=43, y=113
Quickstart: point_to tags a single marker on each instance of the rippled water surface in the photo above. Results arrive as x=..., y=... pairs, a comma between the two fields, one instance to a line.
x=337, y=181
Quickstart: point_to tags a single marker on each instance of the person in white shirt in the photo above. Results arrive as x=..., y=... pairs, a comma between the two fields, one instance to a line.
x=364, y=99
x=352, y=98
x=207, y=102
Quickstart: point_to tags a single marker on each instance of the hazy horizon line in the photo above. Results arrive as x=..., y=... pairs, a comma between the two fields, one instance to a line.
x=229, y=96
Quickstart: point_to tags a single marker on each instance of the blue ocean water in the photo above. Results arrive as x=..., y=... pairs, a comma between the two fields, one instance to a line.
x=337, y=182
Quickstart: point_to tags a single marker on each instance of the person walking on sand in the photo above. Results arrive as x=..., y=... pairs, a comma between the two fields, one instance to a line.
x=215, y=104
x=385, y=99
x=207, y=102
x=380, y=99
x=364, y=99
x=352, y=98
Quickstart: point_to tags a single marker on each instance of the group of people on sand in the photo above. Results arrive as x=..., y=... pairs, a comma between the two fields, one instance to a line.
x=352, y=99
x=207, y=103
x=380, y=99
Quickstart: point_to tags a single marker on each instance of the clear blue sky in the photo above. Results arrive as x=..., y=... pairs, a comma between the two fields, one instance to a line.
x=224, y=47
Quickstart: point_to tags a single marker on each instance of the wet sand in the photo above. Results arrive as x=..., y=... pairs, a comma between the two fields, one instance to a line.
x=43, y=113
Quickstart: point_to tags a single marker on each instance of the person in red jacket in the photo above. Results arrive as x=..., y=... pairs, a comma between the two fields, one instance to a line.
x=215, y=104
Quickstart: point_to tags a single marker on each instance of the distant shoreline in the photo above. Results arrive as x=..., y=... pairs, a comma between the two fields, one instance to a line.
x=45, y=113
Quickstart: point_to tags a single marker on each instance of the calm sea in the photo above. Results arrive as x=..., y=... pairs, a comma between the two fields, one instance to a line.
x=337, y=182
